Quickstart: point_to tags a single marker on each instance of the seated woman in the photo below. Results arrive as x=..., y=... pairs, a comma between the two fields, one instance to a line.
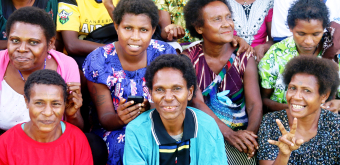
x=173, y=133
x=313, y=136
x=253, y=19
x=31, y=36
x=229, y=82
x=9, y=6
x=116, y=71
x=45, y=139
x=307, y=21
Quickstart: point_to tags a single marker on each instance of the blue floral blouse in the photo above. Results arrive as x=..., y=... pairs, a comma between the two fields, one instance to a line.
x=102, y=66
x=323, y=149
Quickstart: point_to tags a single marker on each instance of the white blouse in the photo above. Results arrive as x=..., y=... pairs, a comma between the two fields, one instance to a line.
x=13, y=108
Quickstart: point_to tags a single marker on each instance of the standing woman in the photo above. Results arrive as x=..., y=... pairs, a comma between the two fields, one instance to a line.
x=116, y=71
x=253, y=21
x=228, y=82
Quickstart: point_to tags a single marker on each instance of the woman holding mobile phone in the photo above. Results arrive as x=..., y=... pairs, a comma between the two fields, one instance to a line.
x=116, y=71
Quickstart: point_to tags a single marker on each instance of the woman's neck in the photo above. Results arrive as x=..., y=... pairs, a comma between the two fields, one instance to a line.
x=26, y=73
x=173, y=128
x=315, y=52
x=307, y=123
x=22, y=3
x=215, y=50
x=131, y=63
x=42, y=137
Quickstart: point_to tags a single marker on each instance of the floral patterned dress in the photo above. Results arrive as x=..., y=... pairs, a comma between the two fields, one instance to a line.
x=273, y=64
x=102, y=66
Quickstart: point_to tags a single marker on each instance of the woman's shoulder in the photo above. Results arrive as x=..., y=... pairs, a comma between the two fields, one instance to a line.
x=330, y=120
x=160, y=47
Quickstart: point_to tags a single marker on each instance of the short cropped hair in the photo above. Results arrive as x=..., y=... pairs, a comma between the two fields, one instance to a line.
x=179, y=62
x=325, y=71
x=308, y=10
x=193, y=15
x=136, y=7
x=34, y=16
x=46, y=77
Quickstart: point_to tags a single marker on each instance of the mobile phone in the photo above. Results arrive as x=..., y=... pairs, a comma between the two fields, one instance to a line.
x=135, y=99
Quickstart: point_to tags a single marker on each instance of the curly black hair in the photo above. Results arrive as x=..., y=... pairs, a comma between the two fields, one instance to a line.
x=35, y=16
x=307, y=10
x=180, y=62
x=47, y=77
x=136, y=7
x=325, y=70
x=193, y=15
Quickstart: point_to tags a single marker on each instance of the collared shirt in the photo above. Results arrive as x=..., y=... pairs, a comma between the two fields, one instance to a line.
x=170, y=150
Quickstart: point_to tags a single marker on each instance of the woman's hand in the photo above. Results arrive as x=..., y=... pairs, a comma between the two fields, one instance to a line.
x=74, y=100
x=287, y=142
x=260, y=50
x=333, y=105
x=145, y=106
x=174, y=32
x=243, y=46
x=244, y=141
x=126, y=112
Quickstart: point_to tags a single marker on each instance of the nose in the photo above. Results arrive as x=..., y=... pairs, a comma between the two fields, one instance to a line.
x=168, y=96
x=308, y=40
x=225, y=23
x=297, y=95
x=48, y=111
x=135, y=35
x=22, y=47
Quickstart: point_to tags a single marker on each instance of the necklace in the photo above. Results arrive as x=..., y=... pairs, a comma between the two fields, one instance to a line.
x=245, y=2
x=22, y=77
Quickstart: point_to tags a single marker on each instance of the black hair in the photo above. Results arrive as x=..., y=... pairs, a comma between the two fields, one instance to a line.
x=46, y=77
x=193, y=15
x=136, y=7
x=308, y=10
x=325, y=71
x=179, y=62
x=35, y=16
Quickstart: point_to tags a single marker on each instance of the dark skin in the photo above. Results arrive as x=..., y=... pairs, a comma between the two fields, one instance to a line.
x=29, y=41
x=217, y=50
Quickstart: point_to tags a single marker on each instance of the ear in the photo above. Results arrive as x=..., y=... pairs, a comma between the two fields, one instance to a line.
x=116, y=26
x=199, y=30
x=191, y=93
x=51, y=43
x=324, y=97
x=26, y=101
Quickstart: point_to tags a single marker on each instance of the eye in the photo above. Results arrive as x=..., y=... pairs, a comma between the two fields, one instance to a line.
x=301, y=34
x=38, y=103
x=143, y=30
x=217, y=19
x=159, y=90
x=228, y=17
x=292, y=88
x=33, y=42
x=128, y=28
x=177, y=88
x=316, y=34
x=306, y=90
x=15, y=41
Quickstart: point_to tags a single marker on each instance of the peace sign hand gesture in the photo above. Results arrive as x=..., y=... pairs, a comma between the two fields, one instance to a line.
x=287, y=142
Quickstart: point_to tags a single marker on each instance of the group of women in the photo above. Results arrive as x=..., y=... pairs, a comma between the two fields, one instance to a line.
x=301, y=90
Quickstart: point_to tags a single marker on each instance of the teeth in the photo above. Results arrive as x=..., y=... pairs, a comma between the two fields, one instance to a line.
x=297, y=107
x=134, y=46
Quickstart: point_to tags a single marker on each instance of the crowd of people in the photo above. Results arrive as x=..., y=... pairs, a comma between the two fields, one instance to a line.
x=169, y=82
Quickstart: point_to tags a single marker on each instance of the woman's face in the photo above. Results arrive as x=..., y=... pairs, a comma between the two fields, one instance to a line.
x=27, y=46
x=46, y=107
x=134, y=33
x=303, y=96
x=307, y=35
x=218, y=23
x=170, y=94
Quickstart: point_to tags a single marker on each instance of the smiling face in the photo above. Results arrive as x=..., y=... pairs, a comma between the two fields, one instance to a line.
x=170, y=94
x=303, y=96
x=218, y=23
x=307, y=35
x=27, y=46
x=134, y=34
x=46, y=107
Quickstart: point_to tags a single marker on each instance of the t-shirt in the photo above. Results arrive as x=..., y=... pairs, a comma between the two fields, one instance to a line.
x=82, y=16
x=279, y=24
x=71, y=148
x=272, y=66
x=7, y=8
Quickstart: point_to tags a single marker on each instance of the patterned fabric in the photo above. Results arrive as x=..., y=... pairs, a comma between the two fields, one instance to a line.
x=247, y=9
x=102, y=66
x=321, y=149
x=175, y=9
x=234, y=116
x=272, y=66
x=253, y=27
x=236, y=157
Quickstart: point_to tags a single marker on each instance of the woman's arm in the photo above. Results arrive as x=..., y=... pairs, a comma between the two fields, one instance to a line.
x=253, y=96
x=169, y=31
x=74, y=102
x=270, y=105
x=108, y=118
x=260, y=50
x=75, y=46
x=109, y=7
